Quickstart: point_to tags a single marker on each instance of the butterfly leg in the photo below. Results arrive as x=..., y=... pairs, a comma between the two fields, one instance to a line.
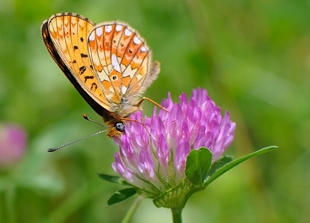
x=152, y=101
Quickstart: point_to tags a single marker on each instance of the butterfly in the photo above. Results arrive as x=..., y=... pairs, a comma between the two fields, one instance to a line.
x=109, y=64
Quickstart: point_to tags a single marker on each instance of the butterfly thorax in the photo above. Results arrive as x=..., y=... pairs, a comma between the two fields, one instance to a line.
x=123, y=107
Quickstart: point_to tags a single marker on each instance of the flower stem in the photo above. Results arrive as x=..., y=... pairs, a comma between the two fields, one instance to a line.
x=132, y=209
x=177, y=215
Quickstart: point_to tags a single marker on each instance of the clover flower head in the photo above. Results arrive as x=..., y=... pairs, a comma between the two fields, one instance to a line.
x=153, y=150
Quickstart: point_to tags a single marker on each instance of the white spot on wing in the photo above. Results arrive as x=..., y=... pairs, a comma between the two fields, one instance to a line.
x=128, y=72
x=136, y=40
x=118, y=27
x=92, y=36
x=115, y=63
x=142, y=49
x=99, y=31
x=127, y=32
x=123, y=89
x=108, y=28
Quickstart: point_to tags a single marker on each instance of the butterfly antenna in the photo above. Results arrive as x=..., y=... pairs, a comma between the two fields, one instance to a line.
x=77, y=140
x=93, y=121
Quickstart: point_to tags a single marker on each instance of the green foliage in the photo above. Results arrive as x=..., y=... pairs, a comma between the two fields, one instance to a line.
x=113, y=179
x=197, y=166
x=200, y=171
x=227, y=164
x=121, y=195
x=219, y=163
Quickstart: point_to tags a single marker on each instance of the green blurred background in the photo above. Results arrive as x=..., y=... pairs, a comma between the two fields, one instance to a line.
x=253, y=57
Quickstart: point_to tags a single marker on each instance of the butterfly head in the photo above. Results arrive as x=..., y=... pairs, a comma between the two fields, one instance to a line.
x=116, y=126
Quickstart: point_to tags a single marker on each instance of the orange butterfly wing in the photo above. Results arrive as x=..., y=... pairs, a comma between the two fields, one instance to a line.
x=122, y=61
x=109, y=64
x=65, y=36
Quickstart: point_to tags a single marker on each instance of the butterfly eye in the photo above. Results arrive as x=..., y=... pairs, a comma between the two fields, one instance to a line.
x=120, y=126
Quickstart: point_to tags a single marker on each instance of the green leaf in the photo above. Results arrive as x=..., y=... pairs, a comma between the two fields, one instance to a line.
x=219, y=163
x=197, y=165
x=113, y=179
x=121, y=195
x=234, y=163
